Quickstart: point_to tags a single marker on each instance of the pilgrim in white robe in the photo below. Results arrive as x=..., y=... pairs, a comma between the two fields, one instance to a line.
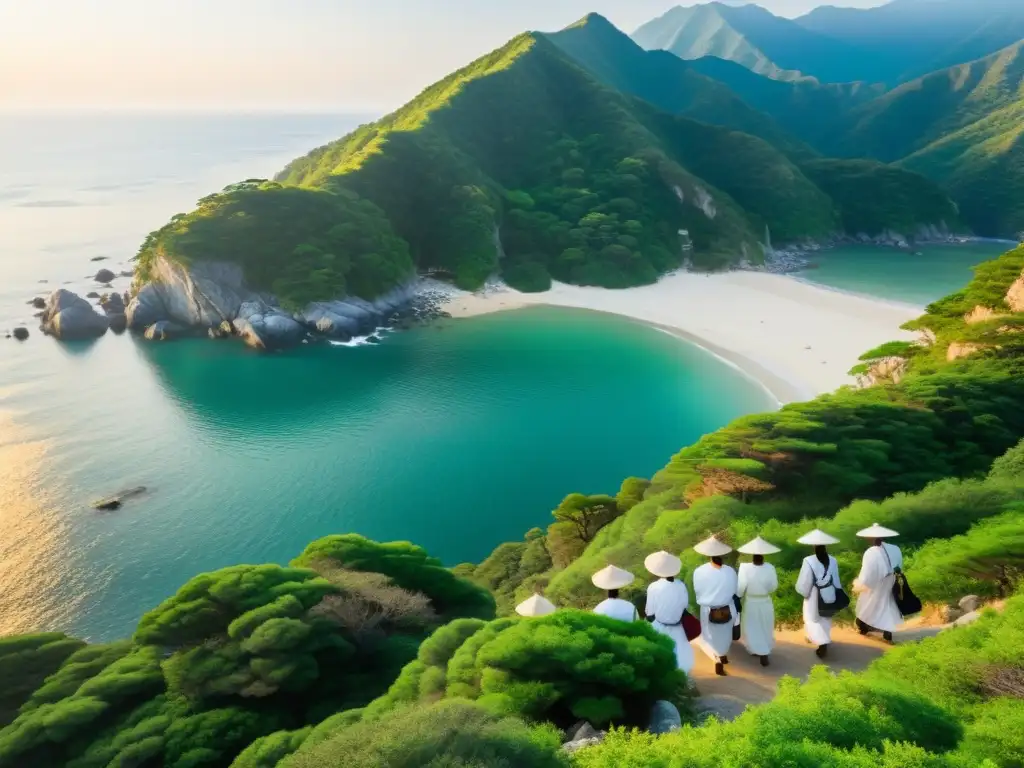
x=715, y=588
x=814, y=577
x=755, y=586
x=666, y=601
x=876, y=606
x=617, y=608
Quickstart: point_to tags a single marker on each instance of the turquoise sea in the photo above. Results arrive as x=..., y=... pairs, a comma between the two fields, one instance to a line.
x=457, y=437
x=918, y=276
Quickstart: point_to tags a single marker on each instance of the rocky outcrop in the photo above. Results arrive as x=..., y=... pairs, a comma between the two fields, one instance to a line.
x=980, y=314
x=104, y=276
x=114, y=307
x=1015, y=296
x=70, y=317
x=212, y=298
x=263, y=326
x=960, y=349
x=889, y=369
x=582, y=735
x=165, y=330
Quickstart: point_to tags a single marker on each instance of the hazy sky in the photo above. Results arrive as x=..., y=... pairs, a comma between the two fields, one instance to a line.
x=350, y=54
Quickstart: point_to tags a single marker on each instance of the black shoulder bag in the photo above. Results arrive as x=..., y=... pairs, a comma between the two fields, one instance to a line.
x=828, y=610
x=906, y=601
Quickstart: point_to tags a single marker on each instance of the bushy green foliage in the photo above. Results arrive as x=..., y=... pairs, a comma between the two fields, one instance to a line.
x=1009, y=466
x=25, y=662
x=873, y=197
x=268, y=751
x=408, y=566
x=561, y=668
x=987, y=560
x=445, y=735
x=301, y=244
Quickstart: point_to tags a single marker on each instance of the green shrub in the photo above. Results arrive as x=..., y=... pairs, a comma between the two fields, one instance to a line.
x=25, y=662
x=449, y=734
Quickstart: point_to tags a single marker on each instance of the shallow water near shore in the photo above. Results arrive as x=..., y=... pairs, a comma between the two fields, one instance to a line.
x=917, y=276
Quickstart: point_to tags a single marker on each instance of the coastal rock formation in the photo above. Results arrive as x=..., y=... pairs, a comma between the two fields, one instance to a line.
x=20, y=333
x=114, y=307
x=164, y=330
x=68, y=317
x=263, y=326
x=213, y=296
x=104, y=276
x=38, y=302
x=980, y=314
x=1015, y=296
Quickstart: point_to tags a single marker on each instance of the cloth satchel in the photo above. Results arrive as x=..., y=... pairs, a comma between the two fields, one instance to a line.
x=691, y=625
x=906, y=601
x=828, y=610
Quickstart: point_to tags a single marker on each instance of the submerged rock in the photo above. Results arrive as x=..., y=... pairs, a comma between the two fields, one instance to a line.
x=70, y=317
x=38, y=302
x=20, y=333
x=104, y=276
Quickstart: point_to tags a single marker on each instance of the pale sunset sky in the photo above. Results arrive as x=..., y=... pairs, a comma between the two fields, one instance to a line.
x=358, y=55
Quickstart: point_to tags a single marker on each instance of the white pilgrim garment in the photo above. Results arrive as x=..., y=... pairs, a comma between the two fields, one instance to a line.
x=714, y=588
x=666, y=601
x=755, y=586
x=813, y=574
x=617, y=608
x=876, y=606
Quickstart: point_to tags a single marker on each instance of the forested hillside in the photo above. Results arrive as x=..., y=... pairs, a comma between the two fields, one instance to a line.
x=582, y=183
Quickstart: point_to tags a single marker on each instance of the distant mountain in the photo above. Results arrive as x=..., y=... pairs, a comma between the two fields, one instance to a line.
x=963, y=127
x=891, y=44
x=910, y=38
x=760, y=41
x=670, y=83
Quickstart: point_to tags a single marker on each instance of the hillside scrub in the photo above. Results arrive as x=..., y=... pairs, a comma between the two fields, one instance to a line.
x=237, y=655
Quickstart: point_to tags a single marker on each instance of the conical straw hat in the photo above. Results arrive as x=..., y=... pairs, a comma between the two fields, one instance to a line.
x=712, y=547
x=663, y=564
x=537, y=605
x=877, y=532
x=612, y=578
x=758, y=547
x=817, y=538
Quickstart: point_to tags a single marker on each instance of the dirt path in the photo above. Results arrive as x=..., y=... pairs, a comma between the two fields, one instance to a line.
x=750, y=683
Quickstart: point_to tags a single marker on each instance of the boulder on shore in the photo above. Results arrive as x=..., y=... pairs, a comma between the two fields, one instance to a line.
x=268, y=329
x=665, y=718
x=969, y=603
x=70, y=317
x=104, y=276
x=20, y=333
x=38, y=302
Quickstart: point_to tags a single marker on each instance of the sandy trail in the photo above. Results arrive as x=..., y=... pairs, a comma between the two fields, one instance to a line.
x=750, y=683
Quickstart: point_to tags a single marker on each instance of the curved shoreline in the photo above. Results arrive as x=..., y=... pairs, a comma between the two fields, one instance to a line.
x=795, y=338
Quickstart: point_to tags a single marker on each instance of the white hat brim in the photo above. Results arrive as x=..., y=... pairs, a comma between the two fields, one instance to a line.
x=877, y=531
x=537, y=605
x=612, y=577
x=817, y=538
x=663, y=564
x=758, y=547
x=712, y=547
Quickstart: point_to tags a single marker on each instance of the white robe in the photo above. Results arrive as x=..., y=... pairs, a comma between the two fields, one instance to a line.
x=714, y=588
x=876, y=606
x=666, y=601
x=755, y=585
x=812, y=573
x=617, y=608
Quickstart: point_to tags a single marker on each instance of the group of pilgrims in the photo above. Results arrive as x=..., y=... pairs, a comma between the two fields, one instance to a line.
x=738, y=604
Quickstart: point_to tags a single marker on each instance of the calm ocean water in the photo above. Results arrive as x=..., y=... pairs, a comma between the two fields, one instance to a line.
x=917, y=277
x=456, y=437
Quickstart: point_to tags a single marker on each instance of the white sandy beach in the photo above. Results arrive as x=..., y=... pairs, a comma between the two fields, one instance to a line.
x=795, y=338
